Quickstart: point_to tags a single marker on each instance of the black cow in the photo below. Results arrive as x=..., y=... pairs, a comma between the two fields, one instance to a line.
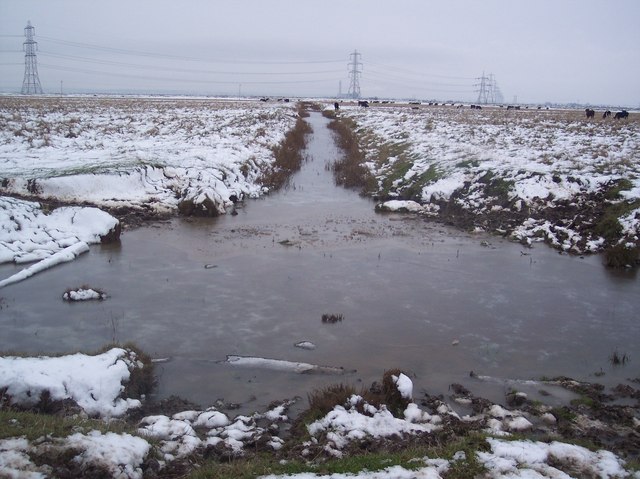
x=363, y=103
x=606, y=114
x=621, y=114
x=590, y=113
x=336, y=106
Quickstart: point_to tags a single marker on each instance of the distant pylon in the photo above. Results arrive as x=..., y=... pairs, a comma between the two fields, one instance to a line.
x=355, y=70
x=31, y=83
x=487, y=89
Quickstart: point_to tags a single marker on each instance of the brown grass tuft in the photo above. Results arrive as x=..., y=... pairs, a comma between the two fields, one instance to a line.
x=350, y=170
x=288, y=156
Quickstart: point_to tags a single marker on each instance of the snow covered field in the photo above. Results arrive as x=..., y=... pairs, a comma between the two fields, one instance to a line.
x=97, y=383
x=139, y=152
x=540, y=174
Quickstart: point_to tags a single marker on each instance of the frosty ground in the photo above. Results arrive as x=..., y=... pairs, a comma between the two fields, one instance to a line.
x=533, y=175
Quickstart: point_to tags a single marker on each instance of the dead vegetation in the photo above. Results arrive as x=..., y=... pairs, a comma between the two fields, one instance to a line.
x=349, y=170
x=288, y=155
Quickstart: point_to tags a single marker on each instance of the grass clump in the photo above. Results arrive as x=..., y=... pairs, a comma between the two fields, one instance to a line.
x=495, y=185
x=620, y=256
x=618, y=359
x=332, y=318
x=34, y=425
x=613, y=193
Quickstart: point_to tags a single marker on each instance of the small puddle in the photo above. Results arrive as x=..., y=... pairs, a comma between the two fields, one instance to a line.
x=435, y=302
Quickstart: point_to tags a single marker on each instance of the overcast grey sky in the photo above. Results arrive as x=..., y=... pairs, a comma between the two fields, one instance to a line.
x=584, y=51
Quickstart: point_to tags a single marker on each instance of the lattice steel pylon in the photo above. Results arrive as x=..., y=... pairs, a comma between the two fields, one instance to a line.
x=31, y=83
x=487, y=89
x=354, y=72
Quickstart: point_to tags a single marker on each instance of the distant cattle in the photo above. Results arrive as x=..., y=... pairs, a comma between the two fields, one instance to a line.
x=476, y=107
x=621, y=114
x=590, y=113
x=606, y=114
x=511, y=107
x=363, y=103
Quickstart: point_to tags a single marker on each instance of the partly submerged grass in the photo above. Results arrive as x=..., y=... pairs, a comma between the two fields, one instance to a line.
x=349, y=170
x=288, y=156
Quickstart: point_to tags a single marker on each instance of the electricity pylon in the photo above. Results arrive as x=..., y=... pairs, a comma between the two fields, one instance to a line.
x=31, y=82
x=355, y=70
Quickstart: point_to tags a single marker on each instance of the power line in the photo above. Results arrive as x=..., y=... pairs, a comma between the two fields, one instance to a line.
x=181, y=70
x=142, y=77
x=178, y=57
x=417, y=73
x=420, y=80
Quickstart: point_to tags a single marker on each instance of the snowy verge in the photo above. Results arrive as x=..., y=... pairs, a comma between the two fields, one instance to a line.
x=94, y=383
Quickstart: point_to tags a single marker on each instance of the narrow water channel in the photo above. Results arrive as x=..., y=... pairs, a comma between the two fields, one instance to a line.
x=435, y=302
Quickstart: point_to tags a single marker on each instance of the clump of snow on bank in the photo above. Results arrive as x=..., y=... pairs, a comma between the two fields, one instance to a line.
x=95, y=383
x=121, y=454
x=557, y=459
x=404, y=385
x=345, y=424
x=401, y=206
x=15, y=462
x=184, y=432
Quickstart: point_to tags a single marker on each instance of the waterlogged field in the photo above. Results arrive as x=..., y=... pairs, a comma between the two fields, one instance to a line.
x=139, y=152
x=546, y=175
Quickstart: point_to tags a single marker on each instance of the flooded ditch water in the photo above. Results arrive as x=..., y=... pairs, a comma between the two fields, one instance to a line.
x=435, y=302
